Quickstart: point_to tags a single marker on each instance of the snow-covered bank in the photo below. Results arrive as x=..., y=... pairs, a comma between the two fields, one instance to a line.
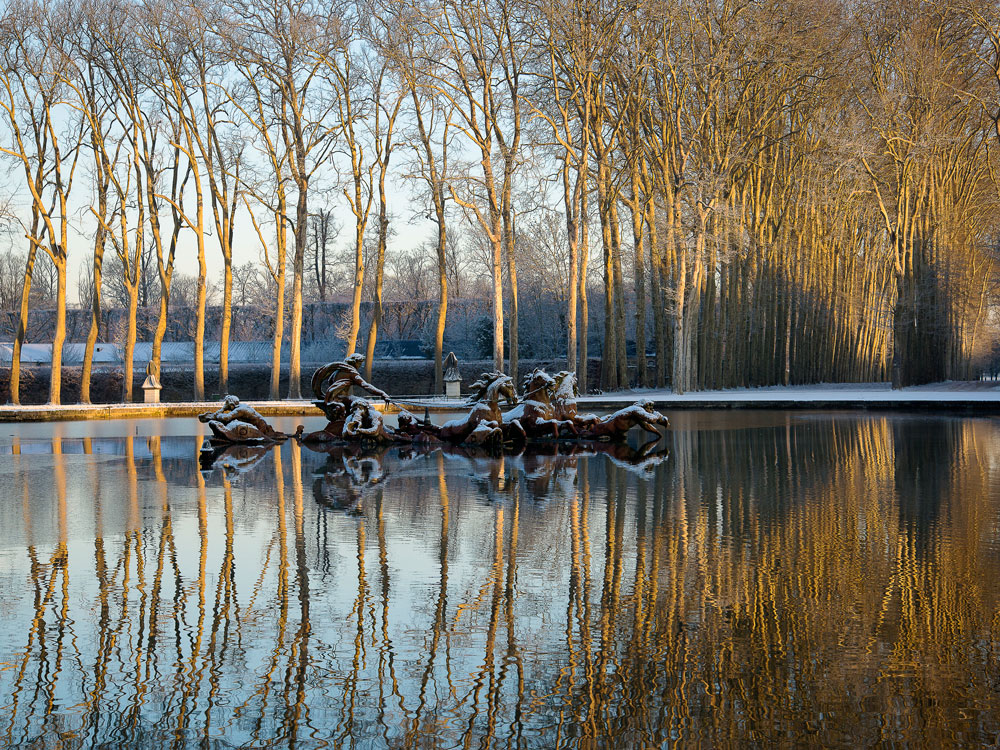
x=870, y=394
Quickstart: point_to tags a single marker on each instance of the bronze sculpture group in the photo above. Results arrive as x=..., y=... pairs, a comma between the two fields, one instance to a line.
x=547, y=411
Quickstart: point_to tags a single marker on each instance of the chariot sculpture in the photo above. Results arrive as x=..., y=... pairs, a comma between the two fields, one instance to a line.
x=546, y=411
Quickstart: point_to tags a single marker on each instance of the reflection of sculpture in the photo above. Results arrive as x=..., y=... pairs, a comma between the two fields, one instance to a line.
x=348, y=473
x=239, y=423
x=234, y=458
x=541, y=463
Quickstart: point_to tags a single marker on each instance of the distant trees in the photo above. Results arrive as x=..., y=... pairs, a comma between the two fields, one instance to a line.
x=756, y=192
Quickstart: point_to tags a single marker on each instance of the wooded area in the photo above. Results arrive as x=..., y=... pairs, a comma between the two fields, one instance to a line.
x=756, y=193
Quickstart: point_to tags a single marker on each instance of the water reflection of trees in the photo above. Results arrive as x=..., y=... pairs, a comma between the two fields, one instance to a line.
x=812, y=580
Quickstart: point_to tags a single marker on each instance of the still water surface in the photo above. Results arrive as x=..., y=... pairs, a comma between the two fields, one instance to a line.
x=765, y=578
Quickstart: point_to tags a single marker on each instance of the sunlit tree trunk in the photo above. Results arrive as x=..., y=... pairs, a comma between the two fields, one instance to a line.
x=298, y=263
x=582, y=367
x=570, y=203
x=637, y=208
x=55, y=384
x=199, y=325
x=279, y=312
x=164, y=260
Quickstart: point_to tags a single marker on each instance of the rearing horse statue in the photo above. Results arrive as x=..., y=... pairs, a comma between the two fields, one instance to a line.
x=535, y=414
x=484, y=424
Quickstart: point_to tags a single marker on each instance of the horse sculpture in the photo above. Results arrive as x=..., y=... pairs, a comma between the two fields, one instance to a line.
x=615, y=426
x=562, y=394
x=484, y=424
x=536, y=414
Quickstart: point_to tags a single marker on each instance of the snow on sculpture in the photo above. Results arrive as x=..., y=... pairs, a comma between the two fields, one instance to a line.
x=484, y=424
x=548, y=411
x=353, y=418
x=239, y=423
x=563, y=394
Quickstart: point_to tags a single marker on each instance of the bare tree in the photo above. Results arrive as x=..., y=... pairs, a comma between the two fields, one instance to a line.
x=432, y=116
x=323, y=230
x=33, y=68
x=280, y=49
x=480, y=82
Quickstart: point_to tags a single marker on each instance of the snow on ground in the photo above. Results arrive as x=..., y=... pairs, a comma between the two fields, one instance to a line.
x=821, y=392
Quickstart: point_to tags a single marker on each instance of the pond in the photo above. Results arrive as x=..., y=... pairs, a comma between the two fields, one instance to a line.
x=757, y=578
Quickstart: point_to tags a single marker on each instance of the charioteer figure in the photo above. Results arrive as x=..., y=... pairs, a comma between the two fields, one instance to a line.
x=350, y=418
x=335, y=380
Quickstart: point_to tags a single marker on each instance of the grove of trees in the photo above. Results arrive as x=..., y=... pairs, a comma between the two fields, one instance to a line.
x=751, y=192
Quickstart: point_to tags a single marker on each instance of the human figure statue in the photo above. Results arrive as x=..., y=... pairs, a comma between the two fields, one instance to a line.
x=350, y=418
x=335, y=380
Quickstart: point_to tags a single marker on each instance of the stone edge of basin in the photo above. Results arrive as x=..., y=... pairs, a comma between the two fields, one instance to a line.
x=949, y=403
x=287, y=408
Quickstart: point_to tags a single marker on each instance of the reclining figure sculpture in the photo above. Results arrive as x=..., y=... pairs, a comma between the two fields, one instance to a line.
x=237, y=423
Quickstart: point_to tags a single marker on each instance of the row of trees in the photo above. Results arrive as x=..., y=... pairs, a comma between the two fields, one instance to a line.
x=765, y=192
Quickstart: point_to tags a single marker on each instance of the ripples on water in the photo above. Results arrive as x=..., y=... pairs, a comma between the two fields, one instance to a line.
x=774, y=578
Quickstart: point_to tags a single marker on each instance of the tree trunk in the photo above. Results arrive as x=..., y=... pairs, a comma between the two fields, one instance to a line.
x=442, y=311
x=656, y=290
x=227, y=322
x=55, y=382
x=584, y=330
x=573, y=237
x=95, y=320
x=512, y=275
x=609, y=350
x=161, y=326
x=130, y=336
x=281, y=240
x=359, y=282
x=497, y=259
x=640, y=283
x=621, y=356
x=383, y=229
x=298, y=264
x=678, y=368
x=95, y=306
x=199, y=326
